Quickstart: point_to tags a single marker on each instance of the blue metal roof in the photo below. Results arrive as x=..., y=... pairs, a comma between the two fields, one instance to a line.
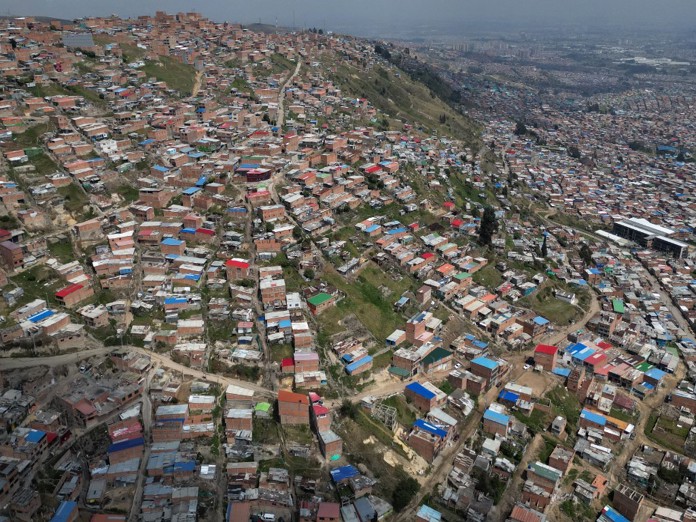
x=612, y=515
x=43, y=314
x=170, y=241
x=125, y=444
x=201, y=181
x=191, y=191
x=421, y=390
x=426, y=426
x=187, y=231
x=508, y=396
x=160, y=168
x=655, y=373
x=357, y=364
x=563, y=372
x=175, y=300
x=64, y=511
x=485, y=362
x=344, y=473
x=593, y=417
x=583, y=354
x=541, y=321
x=397, y=231
x=285, y=323
x=371, y=228
x=496, y=417
x=427, y=513
x=192, y=277
x=35, y=436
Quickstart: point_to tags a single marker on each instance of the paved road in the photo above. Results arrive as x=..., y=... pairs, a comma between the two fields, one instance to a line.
x=281, y=97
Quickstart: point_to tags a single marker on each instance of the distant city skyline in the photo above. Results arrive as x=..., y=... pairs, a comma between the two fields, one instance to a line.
x=397, y=18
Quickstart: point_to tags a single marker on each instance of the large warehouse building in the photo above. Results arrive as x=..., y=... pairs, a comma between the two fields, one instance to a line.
x=650, y=235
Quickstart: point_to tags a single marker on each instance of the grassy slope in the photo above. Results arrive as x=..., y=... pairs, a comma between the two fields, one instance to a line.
x=402, y=98
x=178, y=76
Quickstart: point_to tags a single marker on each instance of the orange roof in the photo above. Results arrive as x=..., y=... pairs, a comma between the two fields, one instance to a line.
x=288, y=396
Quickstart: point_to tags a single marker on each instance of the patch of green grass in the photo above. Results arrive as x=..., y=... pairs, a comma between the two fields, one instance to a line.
x=446, y=387
x=299, y=434
x=128, y=193
x=546, y=449
x=75, y=199
x=280, y=64
x=545, y=304
x=566, y=404
x=488, y=276
x=402, y=98
x=368, y=303
x=280, y=352
x=265, y=431
x=622, y=415
x=537, y=421
x=62, y=250
x=241, y=85
x=178, y=76
x=380, y=432
x=404, y=414
x=38, y=282
x=668, y=433
x=382, y=361
x=31, y=136
x=44, y=164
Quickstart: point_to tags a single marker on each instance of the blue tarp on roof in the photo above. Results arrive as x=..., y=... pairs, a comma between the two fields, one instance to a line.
x=285, y=323
x=485, y=362
x=170, y=241
x=237, y=210
x=146, y=142
x=357, y=364
x=187, y=231
x=125, y=444
x=371, y=228
x=160, y=168
x=541, y=321
x=613, y=515
x=397, y=231
x=344, y=473
x=421, y=390
x=64, y=511
x=496, y=417
x=508, y=396
x=175, y=300
x=192, y=277
x=593, y=417
x=35, y=436
x=563, y=372
x=655, y=373
x=426, y=426
x=43, y=314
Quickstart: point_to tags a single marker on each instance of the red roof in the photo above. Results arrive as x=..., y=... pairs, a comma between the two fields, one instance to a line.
x=328, y=510
x=236, y=263
x=448, y=204
x=596, y=358
x=314, y=397
x=604, y=345
x=206, y=231
x=428, y=255
x=373, y=169
x=287, y=362
x=288, y=396
x=414, y=226
x=545, y=348
x=457, y=222
x=69, y=290
x=320, y=410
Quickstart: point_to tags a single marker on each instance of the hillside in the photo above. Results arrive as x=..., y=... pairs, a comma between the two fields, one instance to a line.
x=404, y=99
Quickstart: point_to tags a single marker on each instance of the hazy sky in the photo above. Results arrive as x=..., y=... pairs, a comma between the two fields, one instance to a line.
x=388, y=17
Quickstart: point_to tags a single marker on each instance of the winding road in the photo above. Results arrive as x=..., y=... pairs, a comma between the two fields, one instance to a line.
x=281, y=96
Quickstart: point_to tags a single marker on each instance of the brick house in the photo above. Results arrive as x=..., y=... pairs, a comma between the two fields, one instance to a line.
x=293, y=408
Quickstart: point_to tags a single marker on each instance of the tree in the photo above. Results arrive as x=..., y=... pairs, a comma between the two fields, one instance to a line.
x=405, y=490
x=586, y=254
x=488, y=226
x=520, y=129
x=309, y=273
x=544, y=248
x=574, y=152
x=297, y=233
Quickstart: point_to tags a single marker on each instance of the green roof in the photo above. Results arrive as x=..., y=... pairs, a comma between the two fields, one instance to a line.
x=399, y=371
x=618, y=305
x=545, y=471
x=644, y=367
x=263, y=406
x=318, y=299
x=462, y=275
x=436, y=355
